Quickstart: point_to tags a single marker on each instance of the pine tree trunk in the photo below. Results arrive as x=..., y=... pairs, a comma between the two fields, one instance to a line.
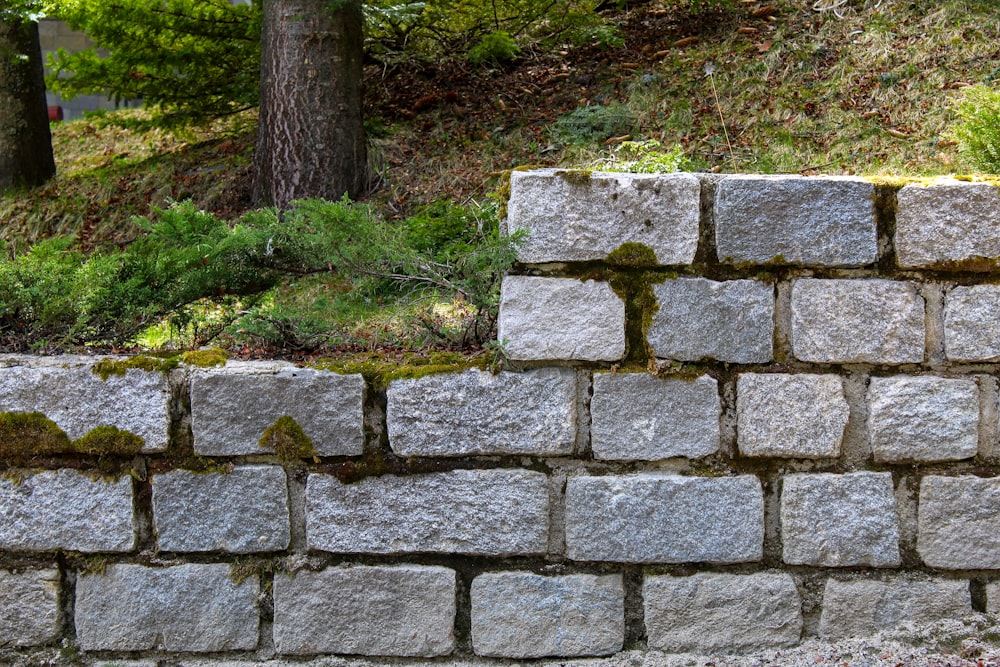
x=310, y=140
x=25, y=140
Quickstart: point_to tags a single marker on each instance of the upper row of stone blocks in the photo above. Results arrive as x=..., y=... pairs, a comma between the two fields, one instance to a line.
x=574, y=216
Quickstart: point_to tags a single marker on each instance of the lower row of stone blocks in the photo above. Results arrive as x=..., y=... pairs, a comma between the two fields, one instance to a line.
x=410, y=610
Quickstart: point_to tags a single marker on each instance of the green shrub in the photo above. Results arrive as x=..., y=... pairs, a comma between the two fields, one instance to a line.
x=594, y=123
x=302, y=279
x=494, y=48
x=978, y=132
x=646, y=157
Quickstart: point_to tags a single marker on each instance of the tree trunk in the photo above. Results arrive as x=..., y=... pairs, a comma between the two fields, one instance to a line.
x=310, y=139
x=25, y=140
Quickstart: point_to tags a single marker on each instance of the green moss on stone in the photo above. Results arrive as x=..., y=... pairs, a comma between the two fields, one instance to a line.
x=633, y=283
x=105, y=368
x=205, y=358
x=288, y=440
x=634, y=255
x=109, y=441
x=381, y=369
x=24, y=434
x=575, y=176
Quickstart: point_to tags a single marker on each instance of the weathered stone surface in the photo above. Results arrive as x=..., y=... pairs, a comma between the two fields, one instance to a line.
x=578, y=216
x=923, y=418
x=708, y=612
x=948, y=225
x=857, y=321
x=839, y=520
x=486, y=512
x=64, y=509
x=864, y=607
x=637, y=416
x=794, y=220
x=406, y=610
x=543, y=319
x=703, y=319
x=242, y=511
x=192, y=607
x=958, y=522
x=657, y=518
x=232, y=406
x=525, y=615
x=993, y=598
x=972, y=323
x=76, y=399
x=799, y=415
x=29, y=607
x=477, y=412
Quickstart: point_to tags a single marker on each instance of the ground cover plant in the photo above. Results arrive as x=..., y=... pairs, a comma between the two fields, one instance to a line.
x=901, y=87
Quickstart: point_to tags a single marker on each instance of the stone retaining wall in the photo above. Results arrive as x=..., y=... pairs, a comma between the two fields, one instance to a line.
x=740, y=412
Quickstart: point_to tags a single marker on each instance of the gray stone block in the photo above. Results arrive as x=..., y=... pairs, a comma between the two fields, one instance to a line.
x=482, y=512
x=794, y=220
x=702, y=319
x=76, y=399
x=546, y=319
x=801, y=415
x=29, y=607
x=525, y=615
x=972, y=323
x=923, y=418
x=65, y=509
x=948, y=225
x=232, y=406
x=657, y=518
x=864, y=607
x=958, y=522
x=839, y=520
x=477, y=412
x=242, y=511
x=192, y=607
x=713, y=612
x=636, y=416
x=857, y=321
x=579, y=216
x=406, y=610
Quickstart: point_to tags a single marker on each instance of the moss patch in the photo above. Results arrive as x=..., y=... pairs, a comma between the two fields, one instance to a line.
x=109, y=441
x=634, y=255
x=24, y=434
x=105, y=368
x=381, y=369
x=205, y=358
x=575, y=176
x=632, y=280
x=287, y=438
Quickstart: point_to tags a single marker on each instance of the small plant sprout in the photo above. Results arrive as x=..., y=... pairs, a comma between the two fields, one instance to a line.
x=710, y=73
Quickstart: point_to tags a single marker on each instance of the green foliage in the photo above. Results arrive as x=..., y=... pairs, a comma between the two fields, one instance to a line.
x=978, y=132
x=432, y=28
x=646, y=157
x=593, y=123
x=193, y=59
x=352, y=265
x=495, y=48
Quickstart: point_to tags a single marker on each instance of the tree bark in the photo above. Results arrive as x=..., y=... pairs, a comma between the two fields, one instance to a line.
x=310, y=138
x=25, y=141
